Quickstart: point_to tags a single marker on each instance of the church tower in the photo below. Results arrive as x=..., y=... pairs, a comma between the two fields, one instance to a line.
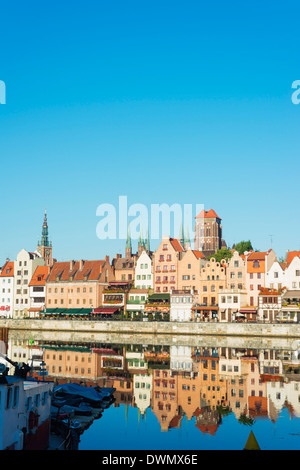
x=44, y=247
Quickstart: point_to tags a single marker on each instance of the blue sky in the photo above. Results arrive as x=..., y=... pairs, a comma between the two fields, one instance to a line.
x=163, y=101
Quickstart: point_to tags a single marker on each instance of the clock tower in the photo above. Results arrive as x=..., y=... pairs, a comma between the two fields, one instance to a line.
x=44, y=247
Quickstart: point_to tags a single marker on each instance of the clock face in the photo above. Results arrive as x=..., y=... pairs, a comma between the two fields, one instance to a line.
x=47, y=252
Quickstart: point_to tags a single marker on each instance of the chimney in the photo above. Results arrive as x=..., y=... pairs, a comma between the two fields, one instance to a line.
x=107, y=259
x=72, y=264
x=81, y=264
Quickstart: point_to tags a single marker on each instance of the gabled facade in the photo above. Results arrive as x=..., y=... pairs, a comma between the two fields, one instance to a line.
x=236, y=272
x=258, y=264
x=276, y=276
x=166, y=260
x=189, y=270
x=143, y=278
x=25, y=265
x=37, y=290
x=7, y=289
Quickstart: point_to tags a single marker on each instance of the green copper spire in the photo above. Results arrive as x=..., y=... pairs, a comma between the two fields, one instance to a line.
x=181, y=235
x=128, y=243
x=187, y=241
x=45, y=237
x=141, y=241
x=147, y=242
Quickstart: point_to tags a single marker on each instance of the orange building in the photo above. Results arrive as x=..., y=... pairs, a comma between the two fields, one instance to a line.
x=166, y=263
x=78, y=284
x=164, y=398
x=257, y=265
x=189, y=270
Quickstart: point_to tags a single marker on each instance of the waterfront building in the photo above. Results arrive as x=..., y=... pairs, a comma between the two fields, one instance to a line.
x=37, y=291
x=208, y=233
x=276, y=275
x=269, y=305
x=144, y=271
x=257, y=265
x=181, y=302
x=7, y=289
x=137, y=298
x=25, y=265
x=189, y=270
x=166, y=260
x=292, y=274
x=231, y=304
x=236, y=272
x=78, y=284
x=290, y=306
x=212, y=283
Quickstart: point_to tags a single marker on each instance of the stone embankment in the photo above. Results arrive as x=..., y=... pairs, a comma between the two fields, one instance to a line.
x=271, y=330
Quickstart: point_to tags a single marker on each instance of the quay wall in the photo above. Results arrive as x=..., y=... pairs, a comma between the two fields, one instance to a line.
x=271, y=330
x=231, y=335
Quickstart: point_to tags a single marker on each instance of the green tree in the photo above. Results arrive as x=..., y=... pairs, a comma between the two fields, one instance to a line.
x=243, y=246
x=224, y=253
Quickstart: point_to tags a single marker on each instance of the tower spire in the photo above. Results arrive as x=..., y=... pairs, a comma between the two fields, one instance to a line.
x=128, y=248
x=45, y=246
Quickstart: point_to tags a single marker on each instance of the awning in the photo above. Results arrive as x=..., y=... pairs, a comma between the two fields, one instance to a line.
x=35, y=309
x=248, y=310
x=104, y=311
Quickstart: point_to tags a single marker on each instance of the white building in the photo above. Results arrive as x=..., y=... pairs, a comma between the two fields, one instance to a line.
x=136, y=300
x=276, y=276
x=7, y=289
x=292, y=281
x=181, y=302
x=181, y=359
x=144, y=272
x=25, y=265
x=37, y=290
x=230, y=303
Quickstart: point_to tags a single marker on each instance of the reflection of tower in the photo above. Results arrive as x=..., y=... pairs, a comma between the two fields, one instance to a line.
x=45, y=247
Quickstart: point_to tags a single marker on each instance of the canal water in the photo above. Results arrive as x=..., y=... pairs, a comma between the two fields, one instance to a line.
x=177, y=397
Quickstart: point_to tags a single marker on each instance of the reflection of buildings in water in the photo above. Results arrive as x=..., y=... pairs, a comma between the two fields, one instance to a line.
x=142, y=380
x=164, y=397
x=208, y=420
x=142, y=384
x=181, y=358
x=213, y=386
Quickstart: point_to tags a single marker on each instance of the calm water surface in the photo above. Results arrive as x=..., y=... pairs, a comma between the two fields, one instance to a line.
x=179, y=397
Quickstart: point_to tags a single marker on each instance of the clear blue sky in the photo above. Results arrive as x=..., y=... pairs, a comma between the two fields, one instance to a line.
x=163, y=101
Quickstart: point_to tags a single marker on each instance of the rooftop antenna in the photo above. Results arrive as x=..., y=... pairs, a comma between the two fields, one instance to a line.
x=271, y=240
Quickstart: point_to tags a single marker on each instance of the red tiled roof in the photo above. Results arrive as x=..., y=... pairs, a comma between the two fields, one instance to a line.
x=291, y=255
x=176, y=244
x=40, y=276
x=208, y=214
x=91, y=269
x=284, y=266
x=259, y=255
x=198, y=254
x=8, y=269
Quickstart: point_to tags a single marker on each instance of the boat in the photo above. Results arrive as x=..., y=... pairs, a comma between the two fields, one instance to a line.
x=24, y=409
x=95, y=396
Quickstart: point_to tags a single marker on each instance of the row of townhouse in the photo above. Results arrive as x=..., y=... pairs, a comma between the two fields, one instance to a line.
x=221, y=290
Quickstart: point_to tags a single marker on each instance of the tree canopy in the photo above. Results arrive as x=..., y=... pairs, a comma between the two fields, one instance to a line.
x=243, y=246
x=224, y=253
